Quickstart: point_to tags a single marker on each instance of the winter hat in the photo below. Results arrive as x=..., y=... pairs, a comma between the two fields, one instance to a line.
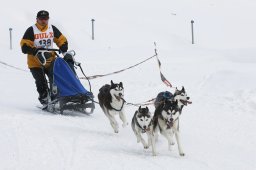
x=42, y=14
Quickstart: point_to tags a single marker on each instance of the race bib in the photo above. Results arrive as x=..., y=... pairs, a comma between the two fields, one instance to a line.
x=43, y=39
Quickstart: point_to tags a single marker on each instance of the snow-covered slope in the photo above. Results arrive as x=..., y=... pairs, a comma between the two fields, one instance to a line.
x=218, y=72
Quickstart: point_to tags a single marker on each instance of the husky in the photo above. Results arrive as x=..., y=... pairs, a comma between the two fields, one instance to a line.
x=111, y=101
x=142, y=123
x=182, y=98
x=166, y=121
x=179, y=95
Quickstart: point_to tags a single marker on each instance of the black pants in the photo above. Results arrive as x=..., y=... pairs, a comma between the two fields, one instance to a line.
x=41, y=82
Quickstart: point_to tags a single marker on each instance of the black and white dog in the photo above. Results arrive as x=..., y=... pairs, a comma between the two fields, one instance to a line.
x=166, y=118
x=166, y=122
x=179, y=95
x=111, y=101
x=182, y=98
x=142, y=123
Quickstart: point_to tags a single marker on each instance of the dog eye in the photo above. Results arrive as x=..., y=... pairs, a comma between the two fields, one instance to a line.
x=141, y=119
x=146, y=119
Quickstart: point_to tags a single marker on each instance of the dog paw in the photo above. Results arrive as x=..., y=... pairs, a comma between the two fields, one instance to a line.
x=116, y=131
x=182, y=154
x=146, y=147
x=154, y=154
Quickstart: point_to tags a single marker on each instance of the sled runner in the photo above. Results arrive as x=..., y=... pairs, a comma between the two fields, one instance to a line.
x=66, y=91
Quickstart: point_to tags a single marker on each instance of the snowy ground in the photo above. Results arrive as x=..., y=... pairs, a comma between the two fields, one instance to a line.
x=217, y=130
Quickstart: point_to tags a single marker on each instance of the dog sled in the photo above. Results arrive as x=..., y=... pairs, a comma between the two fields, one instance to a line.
x=65, y=91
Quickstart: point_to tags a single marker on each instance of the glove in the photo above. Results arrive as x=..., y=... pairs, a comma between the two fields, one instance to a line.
x=68, y=57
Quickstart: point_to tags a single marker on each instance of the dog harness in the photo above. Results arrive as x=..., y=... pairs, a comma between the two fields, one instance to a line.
x=118, y=110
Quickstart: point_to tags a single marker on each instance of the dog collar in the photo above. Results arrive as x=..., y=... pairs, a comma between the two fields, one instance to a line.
x=142, y=129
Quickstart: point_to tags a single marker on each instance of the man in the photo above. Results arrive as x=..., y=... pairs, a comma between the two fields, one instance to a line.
x=38, y=36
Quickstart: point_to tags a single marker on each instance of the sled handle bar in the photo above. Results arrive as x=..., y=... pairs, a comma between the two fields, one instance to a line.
x=48, y=49
x=72, y=52
x=43, y=50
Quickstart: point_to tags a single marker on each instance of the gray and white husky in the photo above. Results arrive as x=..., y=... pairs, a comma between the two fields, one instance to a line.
x=142, y=123
x=112, y=103
x=166, y=121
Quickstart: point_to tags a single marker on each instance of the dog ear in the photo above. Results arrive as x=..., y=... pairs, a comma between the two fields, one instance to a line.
x=176, y=90
x=111, y=83
x=183, y=89
x=140, y=109
x=121, y=84
x=176, y=102
x=147, y=109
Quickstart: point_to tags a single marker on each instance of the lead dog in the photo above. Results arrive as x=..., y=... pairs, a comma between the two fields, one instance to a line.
x=182, y=98
x=142, y=123
x=112, y=103
x=166, y=121
x=179, y=95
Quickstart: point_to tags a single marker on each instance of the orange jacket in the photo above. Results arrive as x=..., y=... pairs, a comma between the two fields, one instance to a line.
x=27, y=45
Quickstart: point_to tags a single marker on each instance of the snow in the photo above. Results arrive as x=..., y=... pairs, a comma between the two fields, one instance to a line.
x=218, y=72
